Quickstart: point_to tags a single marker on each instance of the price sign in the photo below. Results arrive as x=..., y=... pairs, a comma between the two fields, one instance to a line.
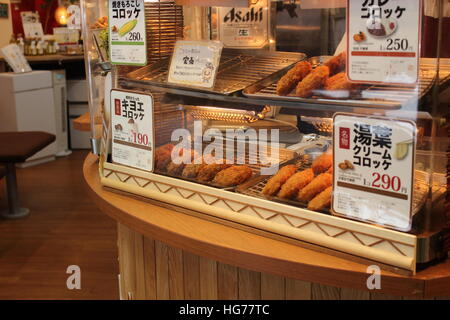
x=384, y=40
x=195, y=63
x=15, y=58
x=132, y=129
x=32, y=28
x=244, y=27
x=374, y=169
x=127, y=36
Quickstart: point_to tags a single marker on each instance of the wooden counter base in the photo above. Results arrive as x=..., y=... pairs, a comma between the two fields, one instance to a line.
x=158, y=245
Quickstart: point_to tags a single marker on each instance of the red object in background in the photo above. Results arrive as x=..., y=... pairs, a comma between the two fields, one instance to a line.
x=430, y=37
x=47, y=15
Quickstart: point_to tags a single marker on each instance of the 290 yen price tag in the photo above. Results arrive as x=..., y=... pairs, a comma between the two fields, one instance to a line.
x=374, y=169
x=132, y=129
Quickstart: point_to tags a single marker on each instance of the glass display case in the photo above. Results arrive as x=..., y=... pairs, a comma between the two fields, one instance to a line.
x=327, y=121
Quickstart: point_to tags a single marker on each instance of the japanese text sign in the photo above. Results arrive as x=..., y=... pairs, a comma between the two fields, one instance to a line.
x=383, y=40
x=127, y=36
x=132, y=129
x=195, y=63
x=244, y=27
x=374, y=169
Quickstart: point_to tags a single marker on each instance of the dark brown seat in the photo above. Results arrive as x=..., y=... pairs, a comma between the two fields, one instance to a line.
x=16, y=147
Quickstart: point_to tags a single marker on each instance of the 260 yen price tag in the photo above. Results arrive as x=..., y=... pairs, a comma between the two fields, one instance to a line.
x=374, y=169
x=195, y=63
x=127, y=36
x=132, y=129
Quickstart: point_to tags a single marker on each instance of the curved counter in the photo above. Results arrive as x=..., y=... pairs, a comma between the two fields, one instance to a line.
x=168, y=252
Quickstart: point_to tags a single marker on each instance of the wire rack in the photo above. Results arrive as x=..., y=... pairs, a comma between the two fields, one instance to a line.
x=369, y=96
x=255, y=186
x=252, y=159
x=237, y=70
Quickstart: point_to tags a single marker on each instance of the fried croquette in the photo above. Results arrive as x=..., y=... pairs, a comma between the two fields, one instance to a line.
x=208, y=172
x=313, y=81
x=233, y=176
x=321, y=201
x=340, y=82
x=163, y=156
x=290, y=80
x=319, y=184
x=274, y=184
x=337, y=63
x=191, y=170
x=322, y=163
x=298, y=181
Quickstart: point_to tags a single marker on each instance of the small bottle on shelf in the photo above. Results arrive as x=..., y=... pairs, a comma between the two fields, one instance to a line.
x=33, y=49
x=21, y=43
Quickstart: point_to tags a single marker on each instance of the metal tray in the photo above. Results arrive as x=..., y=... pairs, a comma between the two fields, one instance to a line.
x=254, y=187
x=238, y=69
x=369, y=96
x=285, y=156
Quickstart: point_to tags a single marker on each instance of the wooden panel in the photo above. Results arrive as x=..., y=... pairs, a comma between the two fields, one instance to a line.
x=139, y=267
x=127, y=262
x=150, y=268
x=176, y=279
x=272, y=287
x=321, y=292
x=214, y=3
x=83, y=122
x=162, y=271
x=383, y=296
x=243, y=248
x=208, y=279
x=191, y=276
x=227, y=282
x=352, y=294
x=298, y=290
x=249, y=285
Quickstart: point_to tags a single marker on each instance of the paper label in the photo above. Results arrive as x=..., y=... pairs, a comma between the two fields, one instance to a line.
x=383, y=40
x=132, y=129
x=195, y=63
x=374, y=169
x=244, y=27
x=15, y=58
x=32, y=28
x=74, y=17
x=127, y=36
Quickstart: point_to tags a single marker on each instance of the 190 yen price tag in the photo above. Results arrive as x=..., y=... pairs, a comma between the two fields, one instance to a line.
x=195, y=63
x=127, y=35
x=374, y=169
x=132, y=129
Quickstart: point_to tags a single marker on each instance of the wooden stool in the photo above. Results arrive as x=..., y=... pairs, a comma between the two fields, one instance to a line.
x=16, y=147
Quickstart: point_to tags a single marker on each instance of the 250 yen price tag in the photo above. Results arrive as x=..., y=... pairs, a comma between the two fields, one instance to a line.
x=195, y=63
x=127, y=36
x=132, y=129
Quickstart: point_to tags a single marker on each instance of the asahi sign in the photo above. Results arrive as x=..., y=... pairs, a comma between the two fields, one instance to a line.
x=244, y=27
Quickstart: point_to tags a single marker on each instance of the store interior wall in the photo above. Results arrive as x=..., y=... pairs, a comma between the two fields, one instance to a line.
x=6, y=26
